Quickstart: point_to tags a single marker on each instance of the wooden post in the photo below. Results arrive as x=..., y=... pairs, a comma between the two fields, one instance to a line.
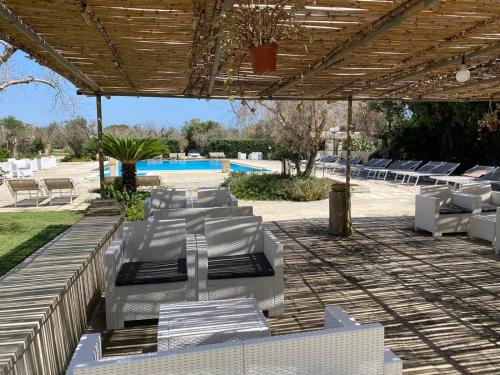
x=348, y=169
x=101, y=145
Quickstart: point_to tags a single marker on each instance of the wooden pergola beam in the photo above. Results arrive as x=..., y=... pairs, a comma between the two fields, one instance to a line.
x=218, y=50
x=200, y=12
x=359, y=40
x=462, y=87
x=100, y=148
x=291, y=98
x=25, y=30
x=91, y=16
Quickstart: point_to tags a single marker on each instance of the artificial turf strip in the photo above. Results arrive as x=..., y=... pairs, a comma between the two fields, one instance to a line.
x=22, y=233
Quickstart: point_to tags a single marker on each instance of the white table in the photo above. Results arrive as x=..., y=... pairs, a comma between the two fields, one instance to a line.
x=190, y=324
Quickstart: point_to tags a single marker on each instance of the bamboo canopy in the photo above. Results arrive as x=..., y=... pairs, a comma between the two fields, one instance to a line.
x=364, y=49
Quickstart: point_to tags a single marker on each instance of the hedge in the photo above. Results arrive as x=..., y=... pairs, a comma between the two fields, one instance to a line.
x=231, y=147
x=274, y=186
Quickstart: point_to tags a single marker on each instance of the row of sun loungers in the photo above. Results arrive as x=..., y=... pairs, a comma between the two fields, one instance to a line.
x=412, y=171
x=177, y=155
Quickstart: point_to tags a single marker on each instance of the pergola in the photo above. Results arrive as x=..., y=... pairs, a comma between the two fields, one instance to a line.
x=362, y=50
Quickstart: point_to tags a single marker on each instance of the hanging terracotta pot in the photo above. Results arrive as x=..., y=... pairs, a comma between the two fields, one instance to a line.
x=264, y=58
x=492, y=125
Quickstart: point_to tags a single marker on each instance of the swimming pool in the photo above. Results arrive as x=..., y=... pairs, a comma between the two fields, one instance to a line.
x=145, y=166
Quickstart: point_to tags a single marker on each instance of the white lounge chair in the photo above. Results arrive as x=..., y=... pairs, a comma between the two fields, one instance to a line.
x=376, y=172
x=429, y=166
x=406, y=166
x=473, y=174
x=148, y=182
x=444, y=169
x=154, y=264
x=241, y=259
x=29, y=186
x=343, y=347
x=216, y=155
x=439, y=210
x=60, y=185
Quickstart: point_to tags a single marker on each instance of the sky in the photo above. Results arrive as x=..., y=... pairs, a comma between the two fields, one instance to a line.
x=34, y=104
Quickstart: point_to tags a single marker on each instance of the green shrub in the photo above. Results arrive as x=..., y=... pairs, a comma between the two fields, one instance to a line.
x=133, y=202
x=172, y=145
x=4, y=154
x=358, y=144
x=273, y=186
x=91, y=147
x=231, y=147
x=306, y=189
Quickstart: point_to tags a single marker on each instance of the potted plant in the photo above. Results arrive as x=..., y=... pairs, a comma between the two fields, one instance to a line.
x=259, y=28
x=490, y=120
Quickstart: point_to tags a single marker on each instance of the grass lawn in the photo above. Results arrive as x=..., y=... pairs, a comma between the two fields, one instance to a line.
x=21, y=233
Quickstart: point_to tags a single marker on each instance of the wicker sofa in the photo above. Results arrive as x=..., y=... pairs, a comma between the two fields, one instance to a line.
x=195, y=217
x=343, y=347
x=238, y=258
x=440, y=210
x=154, y=263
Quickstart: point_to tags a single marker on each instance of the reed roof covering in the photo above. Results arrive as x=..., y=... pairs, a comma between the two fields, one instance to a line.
x=367, y=49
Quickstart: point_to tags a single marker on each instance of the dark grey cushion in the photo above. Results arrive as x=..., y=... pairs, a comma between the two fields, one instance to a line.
x=448, y=209
x=135, y=273
x=239, y=266
x=488, y=207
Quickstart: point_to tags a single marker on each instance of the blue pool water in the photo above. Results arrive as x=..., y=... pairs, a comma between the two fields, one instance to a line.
x=189, y=165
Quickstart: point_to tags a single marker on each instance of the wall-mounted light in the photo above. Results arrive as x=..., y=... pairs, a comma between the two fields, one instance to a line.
x=463, y=73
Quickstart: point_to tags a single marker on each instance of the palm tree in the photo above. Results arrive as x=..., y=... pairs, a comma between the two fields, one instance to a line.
x=129, y=151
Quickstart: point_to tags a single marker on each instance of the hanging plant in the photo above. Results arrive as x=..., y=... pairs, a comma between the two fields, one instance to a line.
x=490, y=120
x=259, y=28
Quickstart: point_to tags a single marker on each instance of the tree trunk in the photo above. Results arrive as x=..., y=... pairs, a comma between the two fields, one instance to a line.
x=310, y=164
x=297, y=167
x=128, y=176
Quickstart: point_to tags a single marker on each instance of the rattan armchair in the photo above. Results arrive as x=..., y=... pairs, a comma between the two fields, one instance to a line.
x=440, y=210
x=238, y=258
x=155, y=263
